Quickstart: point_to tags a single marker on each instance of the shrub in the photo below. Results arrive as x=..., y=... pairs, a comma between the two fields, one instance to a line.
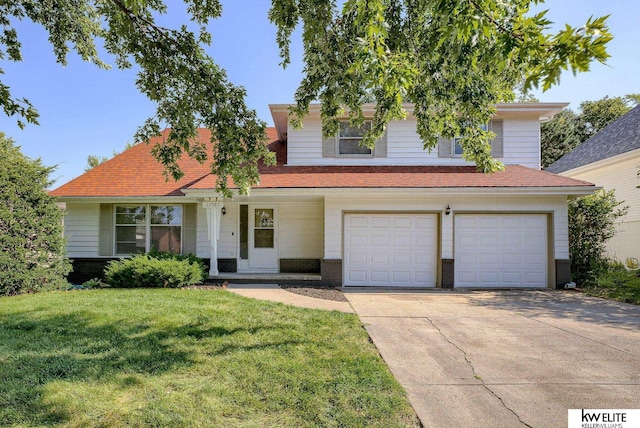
x=94, y=283
x=146, y=271
x=591, y=224
x=165, y=255
x=32, y=253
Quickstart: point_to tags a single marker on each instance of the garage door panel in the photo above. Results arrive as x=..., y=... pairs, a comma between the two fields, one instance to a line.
x=512, y=259
x=380, y=258
x=535, y=221
x=488, y=278
x=422, y=259
x=514, y=278
x=489, y=223
x=379, y=276
x=402, y=258
x=357, y=258
x=402, y=277
x=424, y=223
x=356, y=275
x=488, y=259
x=500, y=250
x=402, y=241
x=357, y=222
x=466, y=258
x=422, y=243
x=358, y=240
x=512, y=222
x=380, y=222
x=402, y=222
x=380, y=241
x=487, y=241
x=400, y=250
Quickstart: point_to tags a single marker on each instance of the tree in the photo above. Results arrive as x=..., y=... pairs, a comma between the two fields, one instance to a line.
x=596, y=115
x=567, y=129
x=559, y=136
x=452, y=59
x=31, y=242
x=93, y=160
x=591, y=224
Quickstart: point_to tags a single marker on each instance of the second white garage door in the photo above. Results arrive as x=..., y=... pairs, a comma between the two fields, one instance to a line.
x=501, y=250
x=390, y=250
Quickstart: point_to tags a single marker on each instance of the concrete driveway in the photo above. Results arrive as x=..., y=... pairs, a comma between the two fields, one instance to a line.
x=506, y=358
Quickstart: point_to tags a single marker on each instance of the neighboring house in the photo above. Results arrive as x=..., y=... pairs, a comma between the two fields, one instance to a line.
x=611, y=159
x=395, y=216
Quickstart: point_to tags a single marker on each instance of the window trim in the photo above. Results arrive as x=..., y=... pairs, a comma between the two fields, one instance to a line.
x=485, y=127
x=453, y=148
x=371, y=153
x=147, y=224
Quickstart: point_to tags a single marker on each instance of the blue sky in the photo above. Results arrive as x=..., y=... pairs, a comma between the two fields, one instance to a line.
x=87, y=111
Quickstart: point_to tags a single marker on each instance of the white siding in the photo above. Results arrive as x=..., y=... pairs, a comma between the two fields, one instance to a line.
x=620, y=176
x=81, y=228
x=336, y=206
x=521, y=142
x=404, y=147
x=300, y=230
x=227, y=245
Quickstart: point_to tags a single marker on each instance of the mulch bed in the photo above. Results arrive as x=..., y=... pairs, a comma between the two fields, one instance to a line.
x=317, y=291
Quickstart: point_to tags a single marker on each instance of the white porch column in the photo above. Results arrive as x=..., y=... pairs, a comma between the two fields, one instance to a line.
x=214, y=214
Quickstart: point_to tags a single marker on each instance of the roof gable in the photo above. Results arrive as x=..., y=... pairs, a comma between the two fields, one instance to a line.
x=620, y=136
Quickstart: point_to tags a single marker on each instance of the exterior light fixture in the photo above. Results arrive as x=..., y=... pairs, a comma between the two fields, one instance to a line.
x=446, y=211
x=224, y=210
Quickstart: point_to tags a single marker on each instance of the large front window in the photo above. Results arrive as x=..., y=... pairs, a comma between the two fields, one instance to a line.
x=139, y=228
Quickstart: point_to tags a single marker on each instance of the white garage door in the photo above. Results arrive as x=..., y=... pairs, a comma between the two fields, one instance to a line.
x=501, y=250
x=390, y=250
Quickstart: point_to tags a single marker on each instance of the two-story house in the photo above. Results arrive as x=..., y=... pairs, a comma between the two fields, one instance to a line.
x=395, y=216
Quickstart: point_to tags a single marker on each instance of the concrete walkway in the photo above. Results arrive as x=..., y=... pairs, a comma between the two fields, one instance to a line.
x=273, y=293
x=506, y=359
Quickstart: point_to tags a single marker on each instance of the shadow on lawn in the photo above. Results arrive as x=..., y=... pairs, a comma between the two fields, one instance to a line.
x=36, y=350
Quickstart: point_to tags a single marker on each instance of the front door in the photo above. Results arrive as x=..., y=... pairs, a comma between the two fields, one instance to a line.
x=263, y=237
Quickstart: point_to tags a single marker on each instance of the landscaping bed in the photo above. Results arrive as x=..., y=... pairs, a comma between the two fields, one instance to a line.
x=317, y=291
x=616, y=283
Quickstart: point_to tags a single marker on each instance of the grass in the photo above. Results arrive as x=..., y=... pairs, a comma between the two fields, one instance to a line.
x=617, y=284
x=188, y=358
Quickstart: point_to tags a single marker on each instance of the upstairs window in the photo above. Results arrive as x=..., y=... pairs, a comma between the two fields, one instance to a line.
x=456, y=146
x=350, y=137
x=451, y=148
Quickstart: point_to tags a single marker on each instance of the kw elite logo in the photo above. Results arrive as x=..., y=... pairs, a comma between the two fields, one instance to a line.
x=601, y=418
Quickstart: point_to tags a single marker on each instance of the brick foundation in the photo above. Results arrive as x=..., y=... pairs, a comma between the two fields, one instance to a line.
x=299, y=265
x=331, y=272
x=447, y=273
x=563, y=273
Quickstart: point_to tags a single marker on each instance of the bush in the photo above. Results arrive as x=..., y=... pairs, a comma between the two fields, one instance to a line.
x=147, y=271
x=32, y=253
x=591, y=224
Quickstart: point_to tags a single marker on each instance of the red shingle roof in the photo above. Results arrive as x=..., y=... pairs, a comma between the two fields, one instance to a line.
x=136, y=173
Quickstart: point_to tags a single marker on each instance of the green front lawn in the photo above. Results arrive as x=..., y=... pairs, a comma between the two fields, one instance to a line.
x=188, y=358
x=617, y=284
